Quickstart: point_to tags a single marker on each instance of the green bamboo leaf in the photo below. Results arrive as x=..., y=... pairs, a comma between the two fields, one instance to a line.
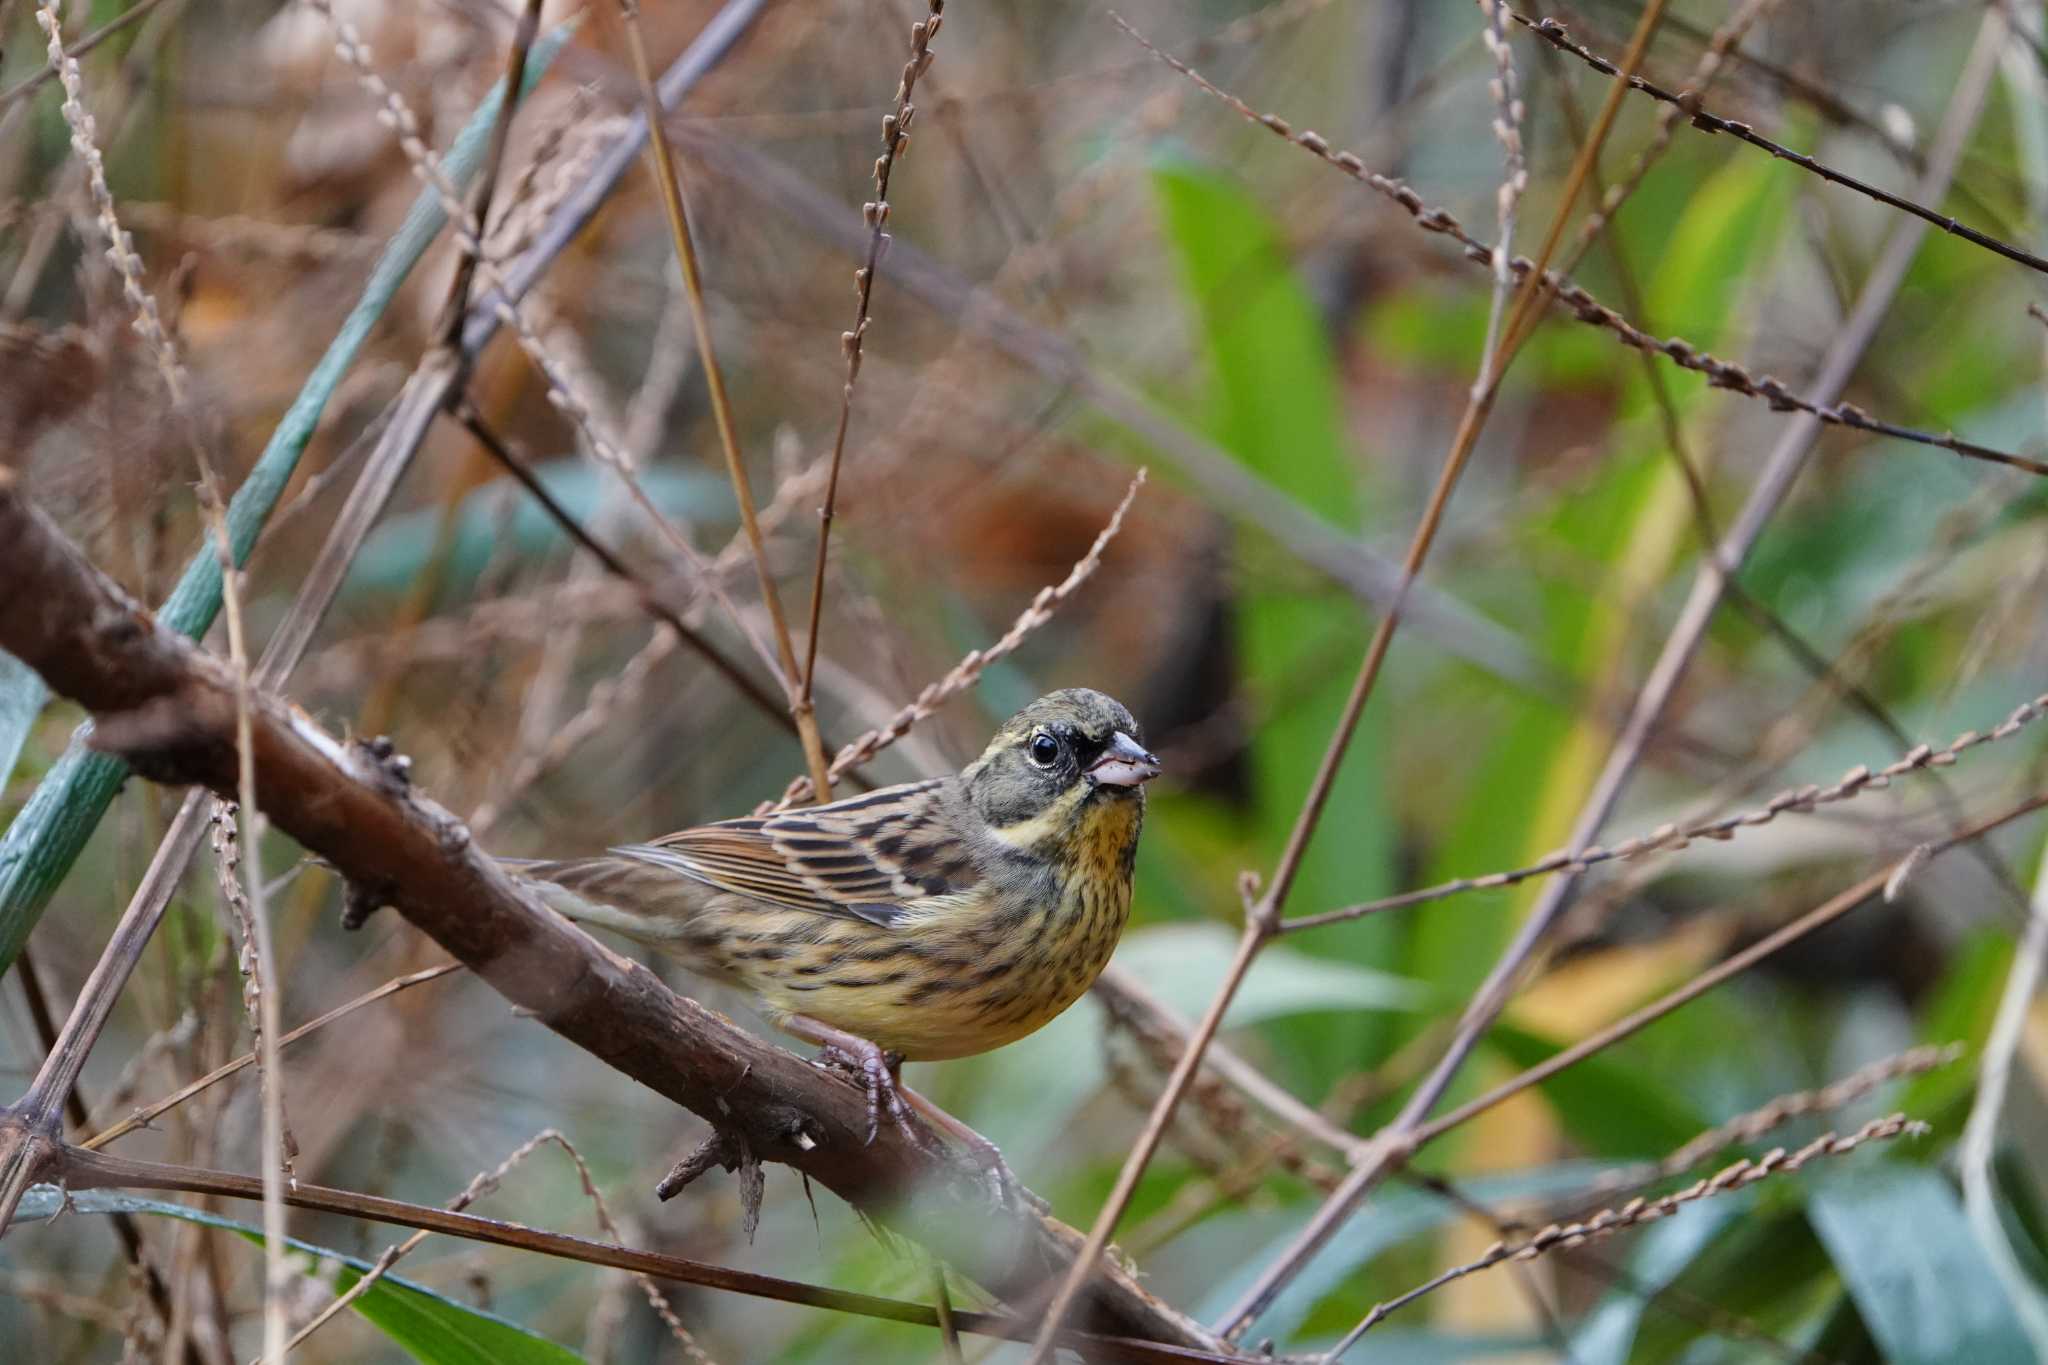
x=44, y=839
x=1923, y=1285
x=1278, y=408
x=1608, y=1107
x=432, y=1328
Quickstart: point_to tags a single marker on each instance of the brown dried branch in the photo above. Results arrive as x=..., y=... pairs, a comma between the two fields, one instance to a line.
x=95, y=1170
x=485, y=1182
x=170, y=709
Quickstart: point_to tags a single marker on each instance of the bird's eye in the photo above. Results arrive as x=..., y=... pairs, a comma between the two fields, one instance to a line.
x=1045, y=750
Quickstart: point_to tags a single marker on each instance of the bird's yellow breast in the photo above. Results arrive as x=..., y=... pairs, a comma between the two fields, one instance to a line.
x=961, y=974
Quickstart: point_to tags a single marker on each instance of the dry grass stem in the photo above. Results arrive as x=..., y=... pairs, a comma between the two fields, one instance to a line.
x=149, y=1113
x=1767, y=1118
x=1675, y=838
x=1507, y=127
x=964, y=674
x=1705, y=73
x=1636, y=1212
x=1585, y=308
x=563, y=393
x=895, y=142
x=1687, y=104
x=795, y=687
x=120, y=249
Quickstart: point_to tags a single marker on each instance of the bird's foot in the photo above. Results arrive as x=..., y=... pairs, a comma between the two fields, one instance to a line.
x=875, y=1071
x=1009, y=1191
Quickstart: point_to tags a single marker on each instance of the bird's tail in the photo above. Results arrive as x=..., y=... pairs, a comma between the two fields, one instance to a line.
x=621, y=894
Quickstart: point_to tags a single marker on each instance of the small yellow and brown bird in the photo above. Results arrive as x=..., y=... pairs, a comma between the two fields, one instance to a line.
x=930, y=920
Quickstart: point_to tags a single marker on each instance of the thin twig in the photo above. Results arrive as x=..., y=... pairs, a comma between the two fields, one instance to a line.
x=1674, y=838
x=964, y=674
x=485, y=1182
x=1767, y=1118
x=30, y=84
x=456, y=310
x=1981, y=1198
x=1263, y=910
x=1553, y=32
x=1782, y=469
x=1636, y=1212
x=662, y=156
x=1583, y=307
x=97, y=1170
x=895, y=142
x=149, y=1113
x=651, y=602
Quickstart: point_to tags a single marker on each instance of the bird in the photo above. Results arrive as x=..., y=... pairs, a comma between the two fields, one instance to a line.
x=930, y=920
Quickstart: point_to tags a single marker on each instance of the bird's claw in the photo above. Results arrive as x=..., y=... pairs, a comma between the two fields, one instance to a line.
x=1009, y=1191
x=875, y=1072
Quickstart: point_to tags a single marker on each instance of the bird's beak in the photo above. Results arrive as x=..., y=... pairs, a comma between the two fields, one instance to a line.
x=1125, y=763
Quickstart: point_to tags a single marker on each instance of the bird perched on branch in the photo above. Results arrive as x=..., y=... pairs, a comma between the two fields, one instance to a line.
x=930, y=920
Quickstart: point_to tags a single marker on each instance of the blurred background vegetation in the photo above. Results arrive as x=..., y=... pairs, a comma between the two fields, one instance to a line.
x=1188, y=274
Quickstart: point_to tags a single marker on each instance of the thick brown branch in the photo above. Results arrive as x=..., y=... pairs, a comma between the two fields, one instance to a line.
x=169, y=708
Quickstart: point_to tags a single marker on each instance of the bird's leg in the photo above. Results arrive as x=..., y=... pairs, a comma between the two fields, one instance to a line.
x=1010, y=1191
x=873, y=1068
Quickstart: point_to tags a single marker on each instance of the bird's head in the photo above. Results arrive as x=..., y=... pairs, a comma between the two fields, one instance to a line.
x=1069, y=767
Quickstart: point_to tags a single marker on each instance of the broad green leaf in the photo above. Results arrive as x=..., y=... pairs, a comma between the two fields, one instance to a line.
x=1630, y=526
x=1608, y=1107
x=1924, y=1287
x=1536, y=763
x=432, y=1328
x=46, y=836
x=1277, y=408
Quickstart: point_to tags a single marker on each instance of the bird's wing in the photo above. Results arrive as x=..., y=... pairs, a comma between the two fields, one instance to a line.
x=866, y=857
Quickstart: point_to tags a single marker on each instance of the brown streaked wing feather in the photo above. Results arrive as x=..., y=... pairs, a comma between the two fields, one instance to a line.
x=862, y=858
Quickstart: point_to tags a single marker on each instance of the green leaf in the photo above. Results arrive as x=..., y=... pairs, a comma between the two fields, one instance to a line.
x=1184, y=965
x=45, y=838
x=432, y=1328
x=1277, y=407
x=1922, y=1283
x=1607, y=1106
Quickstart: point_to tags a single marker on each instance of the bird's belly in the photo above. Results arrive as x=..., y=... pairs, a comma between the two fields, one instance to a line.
x=939, y=995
